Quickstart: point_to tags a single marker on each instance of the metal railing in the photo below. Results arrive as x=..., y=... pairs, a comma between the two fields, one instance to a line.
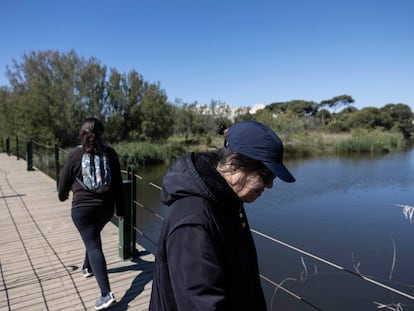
x=50, y=159
x=280, y=286
x=13, y=146
x=45, y=158
x=127, y=225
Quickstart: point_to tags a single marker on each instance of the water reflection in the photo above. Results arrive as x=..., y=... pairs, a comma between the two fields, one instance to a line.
x=346, y=210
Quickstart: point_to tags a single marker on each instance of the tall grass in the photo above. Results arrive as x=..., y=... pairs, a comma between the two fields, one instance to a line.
x=363, y=141
x=297, y=145
x=306, y=144
x=146, y=153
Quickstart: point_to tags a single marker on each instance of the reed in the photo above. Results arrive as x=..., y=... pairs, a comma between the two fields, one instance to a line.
x=408, y=211
x=357, y=141
x=297, y=145
x=363, y=141
x=146, y=153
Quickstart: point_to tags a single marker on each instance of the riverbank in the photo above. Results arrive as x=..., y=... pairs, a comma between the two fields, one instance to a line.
x=357, y=141
x=305, y=144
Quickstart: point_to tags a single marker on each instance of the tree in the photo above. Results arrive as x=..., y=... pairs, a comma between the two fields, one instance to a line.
x=300, y=108
x=186, y=119
x=402, y=117
x=400, y=113
x=54, y=92
x=324, y=116
x=125, y=93
x=115, y=107
x=40, y=93
x=370, y=118
x=337, y=101
x=91, y=88
x=8, y=115
x=155, y=114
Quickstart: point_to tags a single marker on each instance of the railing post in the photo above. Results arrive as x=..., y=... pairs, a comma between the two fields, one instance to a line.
x=29, y=155
x=132, y=171
x=57, y=165
x=8, y=146
x=127, y=236
x=17, y=147
x=124, y=224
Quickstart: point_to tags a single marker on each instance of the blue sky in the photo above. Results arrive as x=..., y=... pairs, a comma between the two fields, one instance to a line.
x=236, y=52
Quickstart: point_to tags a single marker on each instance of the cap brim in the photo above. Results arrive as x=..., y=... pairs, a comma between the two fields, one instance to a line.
x=280, y=171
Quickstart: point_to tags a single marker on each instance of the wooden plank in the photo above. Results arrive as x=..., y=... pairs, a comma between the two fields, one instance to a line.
x=41, y=250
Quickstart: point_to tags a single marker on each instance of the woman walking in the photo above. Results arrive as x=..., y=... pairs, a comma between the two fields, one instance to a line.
x=97, y=189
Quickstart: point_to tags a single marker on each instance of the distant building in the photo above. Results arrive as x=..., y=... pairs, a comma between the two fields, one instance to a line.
x=226, y=111
x=245, y=110
x=256, y=107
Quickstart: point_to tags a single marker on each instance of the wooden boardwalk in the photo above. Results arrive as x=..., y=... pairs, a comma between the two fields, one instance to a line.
x=41, y=251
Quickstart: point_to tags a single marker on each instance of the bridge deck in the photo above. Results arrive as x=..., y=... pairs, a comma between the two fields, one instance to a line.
x=41, y=252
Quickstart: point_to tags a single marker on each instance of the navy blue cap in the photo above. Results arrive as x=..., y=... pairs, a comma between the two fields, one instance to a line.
x=259, y=142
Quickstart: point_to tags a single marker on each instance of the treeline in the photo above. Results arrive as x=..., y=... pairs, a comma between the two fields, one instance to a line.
x=50, y=93
x=298, y=116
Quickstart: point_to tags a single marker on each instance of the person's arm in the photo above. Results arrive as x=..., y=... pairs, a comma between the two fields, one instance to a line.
x=118, y=187
x=196, y=270
x=66, y=179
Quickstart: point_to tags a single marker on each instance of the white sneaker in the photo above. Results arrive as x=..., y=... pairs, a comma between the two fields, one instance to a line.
x=104, y=302
x=86, y=273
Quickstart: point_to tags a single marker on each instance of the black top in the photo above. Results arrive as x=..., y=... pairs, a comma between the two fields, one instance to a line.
x=206, y=258
x=82, y=197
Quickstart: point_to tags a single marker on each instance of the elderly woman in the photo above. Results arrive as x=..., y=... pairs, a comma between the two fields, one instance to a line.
x=206, y=258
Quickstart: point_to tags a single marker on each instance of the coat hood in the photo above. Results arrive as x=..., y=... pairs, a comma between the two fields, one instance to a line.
x=195, y=174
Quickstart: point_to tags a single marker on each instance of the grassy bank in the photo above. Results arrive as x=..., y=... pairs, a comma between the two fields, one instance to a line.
x=145, y=153
x=296, y=146
x=357, y=141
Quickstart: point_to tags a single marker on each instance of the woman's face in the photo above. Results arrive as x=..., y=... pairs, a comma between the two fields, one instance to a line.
x=248, y=186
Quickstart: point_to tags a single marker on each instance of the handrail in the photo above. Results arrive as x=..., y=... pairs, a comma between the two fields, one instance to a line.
x=277, y=286
x=289, y=292
x=296, y=249
x=334, y=265
x=133, y=177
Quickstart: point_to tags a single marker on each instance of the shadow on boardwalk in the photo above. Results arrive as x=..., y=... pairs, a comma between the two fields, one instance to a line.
x=138, y=283
x=41, y=250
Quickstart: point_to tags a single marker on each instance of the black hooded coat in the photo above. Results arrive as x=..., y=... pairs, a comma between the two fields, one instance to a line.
x=206, y=258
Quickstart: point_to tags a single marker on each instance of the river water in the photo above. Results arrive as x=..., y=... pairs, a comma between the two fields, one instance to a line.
x=346, y=211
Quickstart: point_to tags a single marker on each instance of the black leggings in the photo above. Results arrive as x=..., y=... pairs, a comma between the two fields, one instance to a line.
x=90, y=220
